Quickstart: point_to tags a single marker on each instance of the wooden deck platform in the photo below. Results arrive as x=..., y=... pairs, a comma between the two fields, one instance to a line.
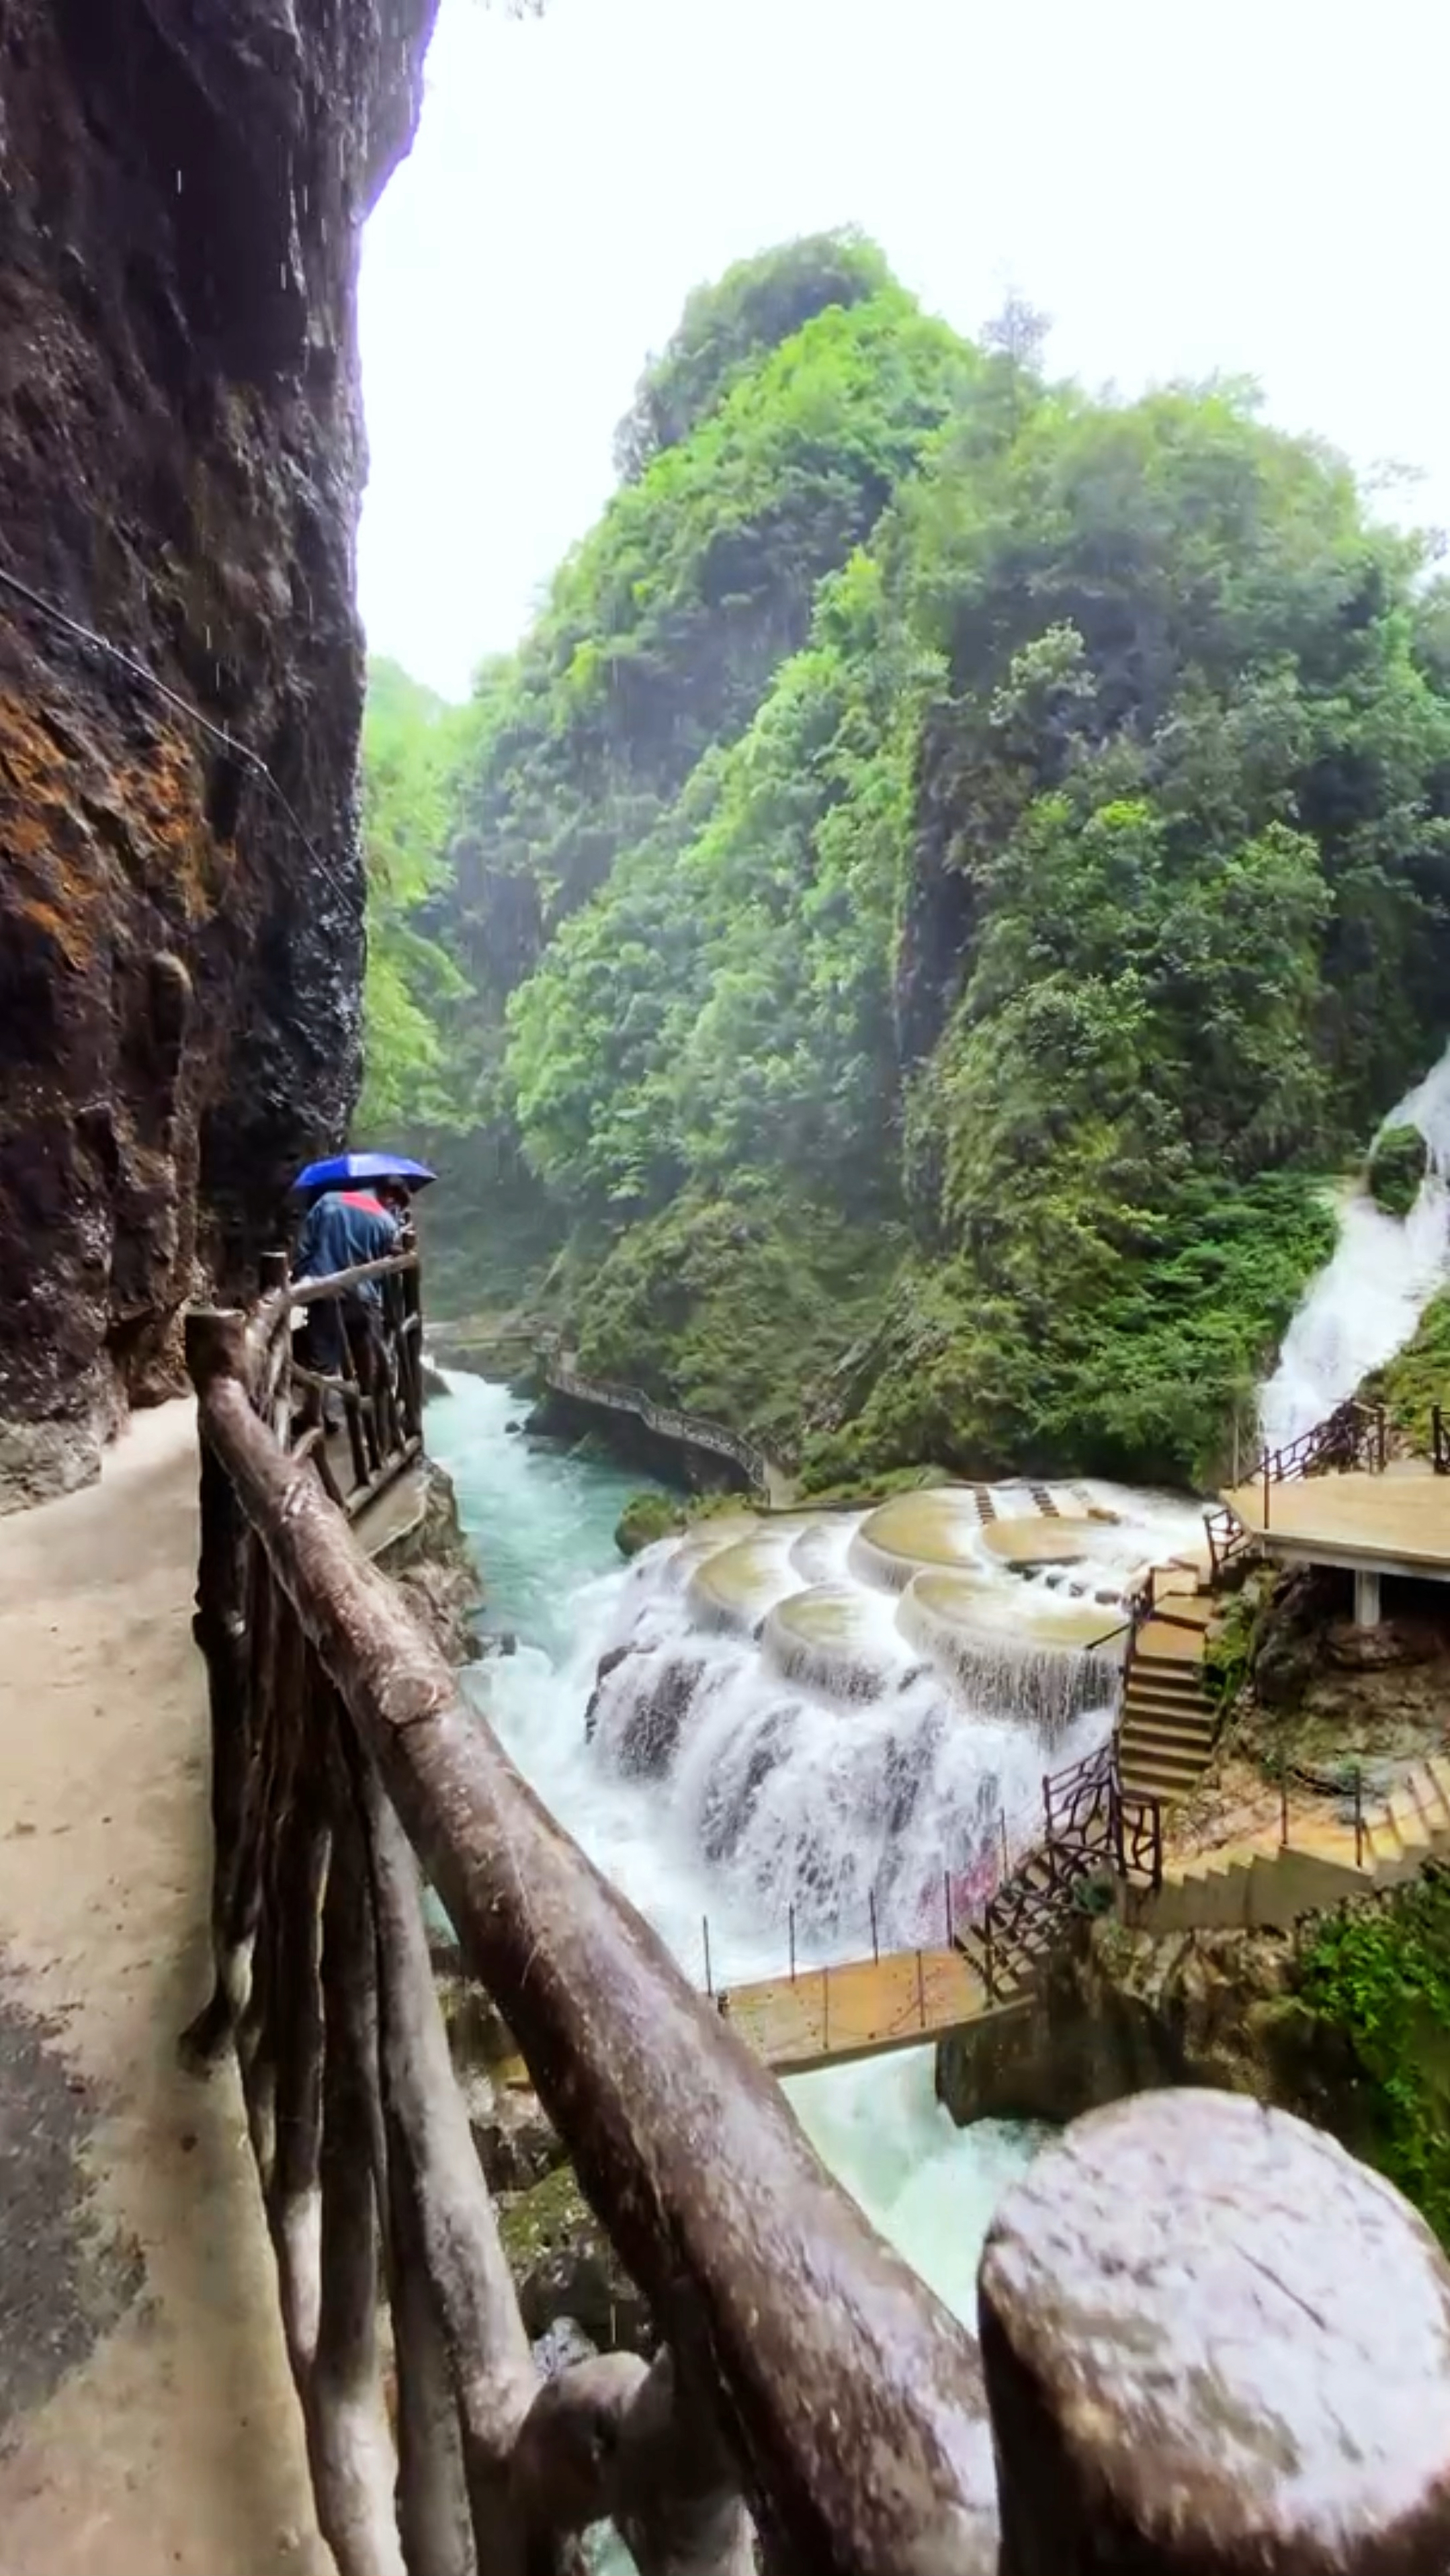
x=830, y=2016
x=1397, y=1522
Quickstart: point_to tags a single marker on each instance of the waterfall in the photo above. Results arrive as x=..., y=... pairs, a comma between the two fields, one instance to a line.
x=825, y=1761
x=1368, y=1299
x=837, y=1751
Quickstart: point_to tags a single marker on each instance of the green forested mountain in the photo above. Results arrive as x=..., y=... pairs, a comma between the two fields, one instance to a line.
x=412, y=980
x=952, y=868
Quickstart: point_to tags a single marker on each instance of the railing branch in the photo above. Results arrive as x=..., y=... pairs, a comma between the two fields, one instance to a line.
x=442, y=2214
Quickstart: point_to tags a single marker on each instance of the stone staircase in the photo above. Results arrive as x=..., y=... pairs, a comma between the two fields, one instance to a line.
x=1266, y=1885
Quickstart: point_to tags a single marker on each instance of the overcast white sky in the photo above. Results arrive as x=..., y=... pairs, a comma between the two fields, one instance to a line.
x=1255, y=186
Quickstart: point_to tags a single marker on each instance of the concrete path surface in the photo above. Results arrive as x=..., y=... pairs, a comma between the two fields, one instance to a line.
x=147, y=2421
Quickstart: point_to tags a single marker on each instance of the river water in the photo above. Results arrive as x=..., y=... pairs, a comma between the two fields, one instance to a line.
x=777, y=1794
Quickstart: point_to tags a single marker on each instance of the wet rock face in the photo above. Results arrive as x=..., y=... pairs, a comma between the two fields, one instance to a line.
x=181, y=188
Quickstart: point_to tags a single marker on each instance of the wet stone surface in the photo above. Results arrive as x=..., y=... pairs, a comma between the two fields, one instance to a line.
x=65, y=2279
x=1214, y=2341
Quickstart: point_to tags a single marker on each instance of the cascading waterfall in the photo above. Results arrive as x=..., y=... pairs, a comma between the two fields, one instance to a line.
x=1367, y=1301
x=749, y=1727
x=731, y=1774
x=843, y=1716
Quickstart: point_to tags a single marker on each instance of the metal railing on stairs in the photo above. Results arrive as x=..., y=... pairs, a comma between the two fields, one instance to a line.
x=1345, y=1786
x=1091, y=1826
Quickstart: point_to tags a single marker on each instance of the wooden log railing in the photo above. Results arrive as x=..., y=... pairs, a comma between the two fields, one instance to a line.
x=373, y=1390
x=804, y=2371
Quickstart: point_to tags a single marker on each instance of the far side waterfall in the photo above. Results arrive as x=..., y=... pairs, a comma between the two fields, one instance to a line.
x=1366, y=1302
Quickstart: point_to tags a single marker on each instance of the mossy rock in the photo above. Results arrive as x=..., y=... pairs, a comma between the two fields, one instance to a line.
x=1417, y=1379
x=645, y=1518
x=1397, y=1166
x=564, y=2266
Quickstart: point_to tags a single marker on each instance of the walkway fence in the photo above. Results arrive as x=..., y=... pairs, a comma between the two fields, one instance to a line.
x=1355, y=1436
x=804, y=2372
x=686, y=1430
x=339, y=1374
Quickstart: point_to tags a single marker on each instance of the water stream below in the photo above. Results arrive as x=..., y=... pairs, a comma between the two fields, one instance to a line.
x=743, y=1766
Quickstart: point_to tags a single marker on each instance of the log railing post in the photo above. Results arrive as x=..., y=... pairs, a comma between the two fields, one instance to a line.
x=220, y=1630
x=1214, y=2343
x=354, y=2465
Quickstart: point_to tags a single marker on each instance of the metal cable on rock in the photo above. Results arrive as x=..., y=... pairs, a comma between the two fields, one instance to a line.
x=231, y=743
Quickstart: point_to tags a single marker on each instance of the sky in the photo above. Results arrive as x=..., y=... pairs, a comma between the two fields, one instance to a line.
x=1252, y=187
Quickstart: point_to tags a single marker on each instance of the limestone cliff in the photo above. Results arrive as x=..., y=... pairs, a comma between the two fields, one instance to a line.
x=182, y=184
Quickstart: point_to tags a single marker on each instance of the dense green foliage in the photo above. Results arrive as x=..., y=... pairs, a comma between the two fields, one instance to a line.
x=412, y=981
x=1417, y=1379
x=951, y=870
x=1380, y=1976
x=645, y=1518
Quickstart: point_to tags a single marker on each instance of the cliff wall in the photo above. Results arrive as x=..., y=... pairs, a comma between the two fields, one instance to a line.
x=182, y=185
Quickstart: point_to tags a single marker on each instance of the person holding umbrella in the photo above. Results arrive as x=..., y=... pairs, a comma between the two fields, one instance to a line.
x=359, y=1211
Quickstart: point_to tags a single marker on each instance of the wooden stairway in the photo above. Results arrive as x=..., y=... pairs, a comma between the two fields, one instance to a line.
x=1165, y=1724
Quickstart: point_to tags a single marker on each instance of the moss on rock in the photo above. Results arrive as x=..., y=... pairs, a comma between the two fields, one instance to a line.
x=1417, y=1379
x=1397, y=1166
x=564, y=2265
x=645, y=1518
x=1345, y=2021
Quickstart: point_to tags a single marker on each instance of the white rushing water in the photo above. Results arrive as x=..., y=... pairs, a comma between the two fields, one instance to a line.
x=722, y=1782
x=1366, y=1302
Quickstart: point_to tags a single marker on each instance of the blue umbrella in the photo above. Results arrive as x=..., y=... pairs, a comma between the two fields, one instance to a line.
x=339, y=1169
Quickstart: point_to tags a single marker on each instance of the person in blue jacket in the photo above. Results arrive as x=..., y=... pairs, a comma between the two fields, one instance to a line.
x=342, y=1230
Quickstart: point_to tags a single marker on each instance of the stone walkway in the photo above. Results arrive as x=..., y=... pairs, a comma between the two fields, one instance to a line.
x=147, y=2422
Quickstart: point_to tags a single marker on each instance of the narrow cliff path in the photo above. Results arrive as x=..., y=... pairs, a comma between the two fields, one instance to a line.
x=147, y=2422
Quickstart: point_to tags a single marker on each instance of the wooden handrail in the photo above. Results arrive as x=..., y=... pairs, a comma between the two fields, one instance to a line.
x=383, y=1421
x=343, y=1283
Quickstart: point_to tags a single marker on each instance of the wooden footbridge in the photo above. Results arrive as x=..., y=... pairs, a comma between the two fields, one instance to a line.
x=1090, y=1830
